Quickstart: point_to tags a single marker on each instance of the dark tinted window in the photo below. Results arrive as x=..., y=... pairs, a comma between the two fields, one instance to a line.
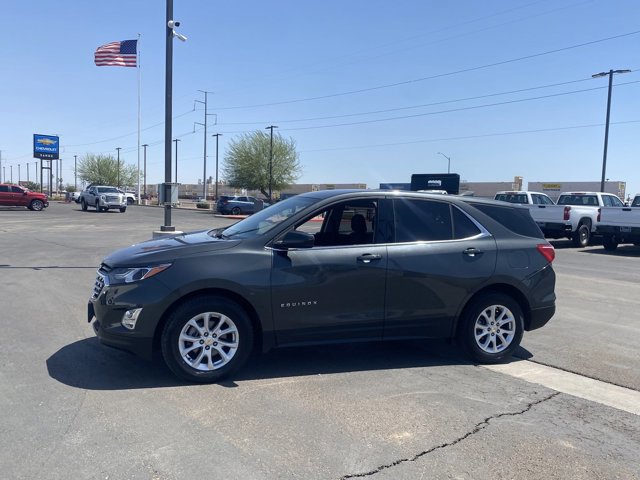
x=591, y=200
x=518, y=220
x=512, y=197
x=463, y=227
x=4, y=188
x=636, y=202
x=421, y=220
x=15, y=189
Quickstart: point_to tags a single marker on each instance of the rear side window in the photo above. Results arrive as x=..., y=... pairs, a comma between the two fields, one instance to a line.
x=422, y=220
x=636, y=202
x=4, y=188
x=463, y=227
x=518, y=220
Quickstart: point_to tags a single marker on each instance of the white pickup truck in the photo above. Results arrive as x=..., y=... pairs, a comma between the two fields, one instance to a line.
x=575, y=216
x=620, y=225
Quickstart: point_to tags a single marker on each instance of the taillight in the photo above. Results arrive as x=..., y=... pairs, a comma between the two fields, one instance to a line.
x=599, y=213
x=567, y=213
x=547, y=251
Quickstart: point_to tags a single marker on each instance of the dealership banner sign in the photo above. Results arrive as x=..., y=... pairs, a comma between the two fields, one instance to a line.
x=46, y=146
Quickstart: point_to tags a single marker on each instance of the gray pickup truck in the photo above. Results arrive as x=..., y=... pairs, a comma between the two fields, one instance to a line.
x=103, y=198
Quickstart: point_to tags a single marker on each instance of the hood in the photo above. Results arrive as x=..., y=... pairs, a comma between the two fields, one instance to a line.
x=168, y=249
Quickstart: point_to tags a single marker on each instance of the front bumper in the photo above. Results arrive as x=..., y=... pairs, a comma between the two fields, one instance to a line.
x=108, y=304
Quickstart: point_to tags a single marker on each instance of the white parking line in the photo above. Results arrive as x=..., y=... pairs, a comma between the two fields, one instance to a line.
x=572, y=384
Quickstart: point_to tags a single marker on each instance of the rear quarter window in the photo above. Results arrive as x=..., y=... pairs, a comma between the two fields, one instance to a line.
x=518, y=220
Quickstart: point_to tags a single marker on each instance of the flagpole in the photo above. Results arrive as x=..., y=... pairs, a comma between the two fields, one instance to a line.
x=139, y=67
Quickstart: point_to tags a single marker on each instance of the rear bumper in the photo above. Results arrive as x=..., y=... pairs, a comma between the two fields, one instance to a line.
x=540, y=317
x=552, y=229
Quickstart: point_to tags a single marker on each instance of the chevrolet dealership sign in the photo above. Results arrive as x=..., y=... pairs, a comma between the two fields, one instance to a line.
x=46, y=146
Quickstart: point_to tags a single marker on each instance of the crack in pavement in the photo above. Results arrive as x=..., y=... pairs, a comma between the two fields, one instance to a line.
x=478, y=427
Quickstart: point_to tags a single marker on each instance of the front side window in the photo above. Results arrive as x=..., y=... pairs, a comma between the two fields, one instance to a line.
x=421, y=220
x=636, y=202
x=15, y=189
x=346, y=223
x=615, y=201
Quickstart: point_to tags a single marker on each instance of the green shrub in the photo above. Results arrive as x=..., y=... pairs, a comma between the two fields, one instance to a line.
x=206, y=205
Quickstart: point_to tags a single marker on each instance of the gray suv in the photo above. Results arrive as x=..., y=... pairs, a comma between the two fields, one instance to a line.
x=330, y=267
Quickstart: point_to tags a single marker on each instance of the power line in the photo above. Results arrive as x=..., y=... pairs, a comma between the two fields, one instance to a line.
x=443, y=102
x=451, y=110
x=467, y=137
x=431, y=77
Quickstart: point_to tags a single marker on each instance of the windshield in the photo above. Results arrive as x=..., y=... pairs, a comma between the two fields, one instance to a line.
x=108, y=190
x=263, y=221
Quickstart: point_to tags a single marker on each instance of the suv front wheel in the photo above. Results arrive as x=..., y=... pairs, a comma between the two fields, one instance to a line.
x=492, y=328
x=206, y=339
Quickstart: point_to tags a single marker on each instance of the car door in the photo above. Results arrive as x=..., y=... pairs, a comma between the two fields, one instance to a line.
x=333, y=291
x=438, y=255
x=5, y=195
x=18, y=197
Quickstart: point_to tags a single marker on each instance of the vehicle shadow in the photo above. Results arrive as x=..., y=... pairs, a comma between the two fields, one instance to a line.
x=621, y=251
x=87, y=364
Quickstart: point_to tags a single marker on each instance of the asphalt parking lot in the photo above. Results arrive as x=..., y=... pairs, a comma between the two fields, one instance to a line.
x=568, y=407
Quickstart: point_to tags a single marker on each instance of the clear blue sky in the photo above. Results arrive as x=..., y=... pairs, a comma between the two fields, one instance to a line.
x=267, y=62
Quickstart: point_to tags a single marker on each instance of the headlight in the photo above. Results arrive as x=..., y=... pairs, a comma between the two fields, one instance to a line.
x=135, y=274
x=102, y=197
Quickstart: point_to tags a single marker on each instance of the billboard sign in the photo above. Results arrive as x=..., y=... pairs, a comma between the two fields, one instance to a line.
x=436, y=181
x=46, y=146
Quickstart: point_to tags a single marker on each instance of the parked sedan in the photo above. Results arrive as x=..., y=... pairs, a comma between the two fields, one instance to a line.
x=239, y=205
x=329, y=267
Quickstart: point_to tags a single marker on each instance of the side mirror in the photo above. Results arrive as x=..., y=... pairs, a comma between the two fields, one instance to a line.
x=295, y=239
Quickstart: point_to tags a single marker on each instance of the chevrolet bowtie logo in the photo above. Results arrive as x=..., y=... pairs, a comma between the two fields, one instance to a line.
x=308, y=303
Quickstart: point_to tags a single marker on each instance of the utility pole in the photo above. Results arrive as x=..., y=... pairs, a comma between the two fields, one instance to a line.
x=11, y=172
x=176, y=140
x=36, y=165
x=28, y=172
x=118, y=149
x=1, y=178
x=75, y=172
x=217, y=135
x=204, y=169
x=271, y=127
x=610, y=73
x=145, y=169
x=18, y=174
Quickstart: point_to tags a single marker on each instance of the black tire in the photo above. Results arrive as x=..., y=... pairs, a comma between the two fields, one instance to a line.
x=36, y=205
x=129, y=201
x=123, y=209
x=609, y=243
x=223, y=313
x=581, y=236
x=83, y=205
x=236, y=211
x=98, y=207
x=473, y=333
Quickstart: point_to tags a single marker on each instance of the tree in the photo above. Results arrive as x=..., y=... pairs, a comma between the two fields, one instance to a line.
x=34, y=187
x=246, y=163
x=103, y=170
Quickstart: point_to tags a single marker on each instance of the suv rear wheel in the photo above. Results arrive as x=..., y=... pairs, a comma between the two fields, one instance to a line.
x=83, y=205
x=207, y=338
x=492, y=328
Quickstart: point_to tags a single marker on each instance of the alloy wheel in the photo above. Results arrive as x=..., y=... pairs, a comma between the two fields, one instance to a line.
x=208, y=341
x=495, y=329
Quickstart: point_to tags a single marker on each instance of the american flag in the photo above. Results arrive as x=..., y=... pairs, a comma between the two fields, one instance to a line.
x=117, y=54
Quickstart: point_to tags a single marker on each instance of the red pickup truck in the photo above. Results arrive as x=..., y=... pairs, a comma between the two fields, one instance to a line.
x=16, y=196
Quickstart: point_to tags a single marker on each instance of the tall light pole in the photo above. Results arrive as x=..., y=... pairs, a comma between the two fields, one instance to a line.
x=75, y=172
x=271, y=127
x=11, y=173
x=36, y=165
x=176, y=140
x=18, y=174
x=118, y=149
x=145, y=169
x=171, y=24
x=610, y=73
x=448, y=161
x=216, y=187
x=28, y=172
